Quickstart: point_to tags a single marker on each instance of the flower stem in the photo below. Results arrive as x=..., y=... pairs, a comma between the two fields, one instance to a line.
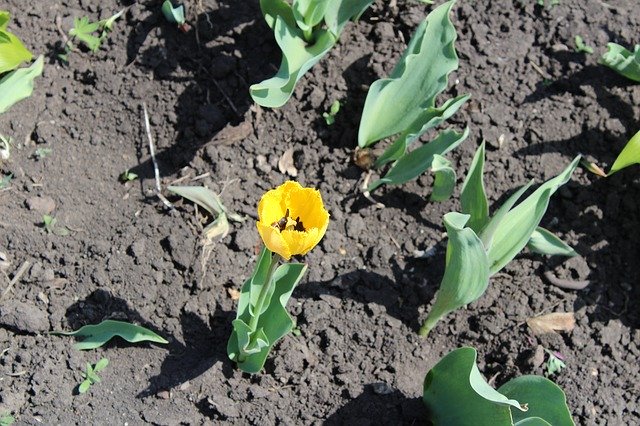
x=266, y=287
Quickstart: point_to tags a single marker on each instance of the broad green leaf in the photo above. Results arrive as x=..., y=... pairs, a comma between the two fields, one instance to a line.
x=250, y=348
x=397, y=104
x=200, y=195
x=544, y=399
x=83, y=30
x=12, y=51
x=272, y=9
x=544, y=242
x=473, y=199
x=309, y=13
x=623, y=61
x=339, y=12
x=431, y=118
x=101, y=365
x=532, y=421
x=175, y=15
x=517, y=226
x=18, y=84
x=455, y=393
x=96, y=335
x=630, y=155
x=413, y=164
x=445, y=178
x=486, y=235
x=84, y=386
x=297, y=59
x=466, y=274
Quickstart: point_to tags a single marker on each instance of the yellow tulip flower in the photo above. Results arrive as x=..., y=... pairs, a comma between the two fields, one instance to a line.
x=291, y=219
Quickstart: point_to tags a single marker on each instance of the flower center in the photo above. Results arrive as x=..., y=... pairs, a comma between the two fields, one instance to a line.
x=288, y=223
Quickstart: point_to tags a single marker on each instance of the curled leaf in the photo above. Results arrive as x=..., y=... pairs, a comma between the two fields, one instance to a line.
x=96, y=335
x=552, y=323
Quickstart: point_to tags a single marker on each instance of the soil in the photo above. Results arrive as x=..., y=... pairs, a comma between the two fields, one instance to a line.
x=357, y=358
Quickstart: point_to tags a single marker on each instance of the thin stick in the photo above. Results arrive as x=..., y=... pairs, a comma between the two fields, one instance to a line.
x=540, y=70
x=152, y=151
x=23, y=268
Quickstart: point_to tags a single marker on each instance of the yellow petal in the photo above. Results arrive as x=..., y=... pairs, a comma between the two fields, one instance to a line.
x=272, y=206
x=274, y=240
x=306, y=203
x=300, y=243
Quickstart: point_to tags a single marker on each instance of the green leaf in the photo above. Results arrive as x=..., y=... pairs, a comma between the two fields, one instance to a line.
x=545, y=242
x=272, y=9
x=107, y=24
x=12, y=51
x=413, y=164
x=630, y=155
x=544, y=399
x=339, y=12
x=175, y=15
x=400, y=103
x=250, y=348
x=18, y=84
x=516, y=227
x=84, y=386
x=309, y=13
x=83, y=30
x=466, y=274
x=200, y=195
x=623, y=61
x=445, y=180
x=581, y=47
x=431, y=118
x=95, y=336
x=297, y=59
x=101, y=365
x=473, y=198
x=455, y=393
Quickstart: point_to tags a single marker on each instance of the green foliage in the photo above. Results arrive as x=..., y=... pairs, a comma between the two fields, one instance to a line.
x=581, y=47
x=42, y=153
x=6, y=419
x=127, y=176
x=630, y=155
x=330, y=116
x=18, y=85
x=92, y=34
x=455, y=393
x=5, y=180
x=90, y=376
x=554, y=363
x=12, y=51
x=50, y=224
x=262, y=318
x=211, y=202
x=403, y=105
x=175, y=15
x=96, y=335
x=303, y=39
x=480, y=246
x=623, y=61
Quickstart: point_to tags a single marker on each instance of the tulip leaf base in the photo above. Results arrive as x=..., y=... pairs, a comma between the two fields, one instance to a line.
x=455, y=393
x=480, y=246
x=262, y=318
x=623, y=61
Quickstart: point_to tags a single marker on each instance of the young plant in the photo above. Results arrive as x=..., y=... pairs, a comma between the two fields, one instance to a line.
x=305, y=30
x=5, y=180
x=629, y=155
x=291, y=221
x=42, y=153
x=6, y=419
x=91, y=34
x=623, y=61
x=95, y=335
x=581, y=47
x=50, y=224
x=330, y=116
x=90, y=376
x=555, y=363
x=175, y=15
x=12, y=51
x=480, y=246
x=403, y=106
x=127, y=176
x=455, y=393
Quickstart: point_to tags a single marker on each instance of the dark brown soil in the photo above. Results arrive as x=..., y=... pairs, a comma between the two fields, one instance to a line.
x=357, y=359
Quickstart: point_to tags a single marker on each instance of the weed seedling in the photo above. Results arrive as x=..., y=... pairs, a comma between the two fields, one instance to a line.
x=6, y=419
x=42, y=153
x=50, y=225
x=330, y=116
x=581, y=47
x=5, y=180
x=90, y=376
x=175, y=15
x=555, y=363
x=127, y=176
x=91, y=34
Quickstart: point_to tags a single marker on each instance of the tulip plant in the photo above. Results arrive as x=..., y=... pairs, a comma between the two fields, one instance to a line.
x=305, y=30
x=455, y=393
x=623, y=61
x=16, y=84
x=480, y=246
x=291, y=221
x=403, y=106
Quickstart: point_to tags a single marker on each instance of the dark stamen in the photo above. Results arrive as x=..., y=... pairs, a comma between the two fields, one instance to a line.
x=299, y=226
x=282, y=223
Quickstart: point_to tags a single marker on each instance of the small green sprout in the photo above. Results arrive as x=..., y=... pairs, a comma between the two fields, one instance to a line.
x=6, y=419
x=581, y=47
x=50, y=225
x=90, y=376
x=480, y=245
x=455, y=393
x=330, y=116
x=42, y=153
x=552, y=3
x=555, y=363
x=96, y=335
x=623, y=61
x=629, y=156
x=91, y=34
x=128, y=176
x=5, y=180
x=175, y=15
